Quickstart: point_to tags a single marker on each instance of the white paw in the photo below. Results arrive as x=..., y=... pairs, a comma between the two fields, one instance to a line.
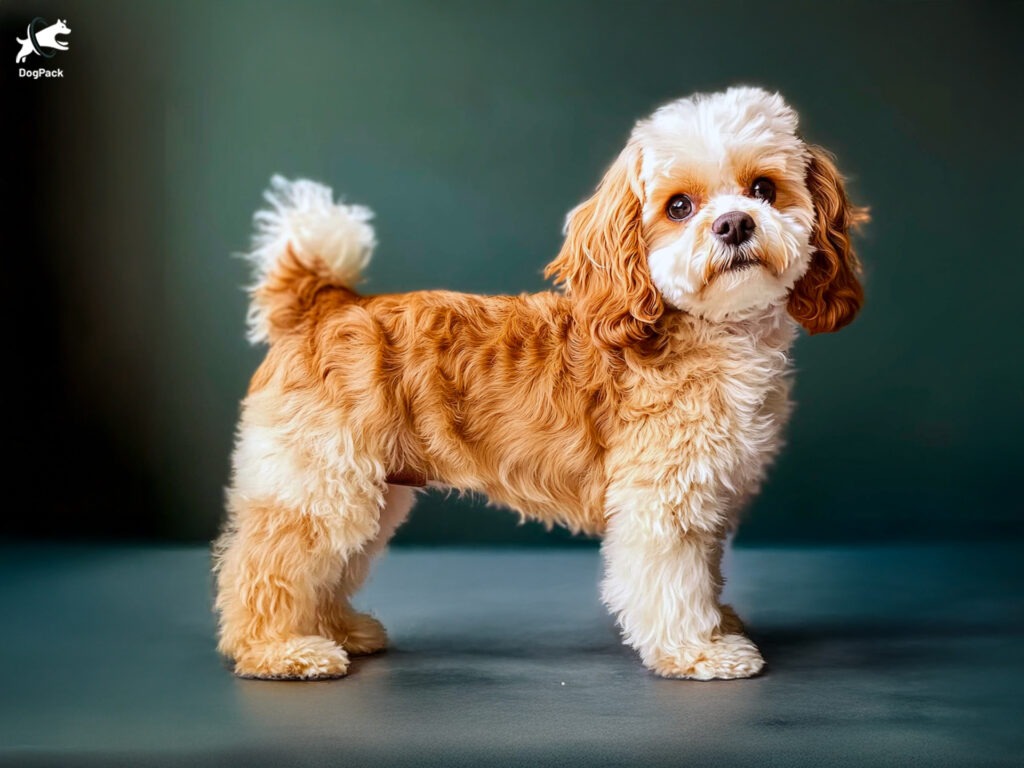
x=724, y=658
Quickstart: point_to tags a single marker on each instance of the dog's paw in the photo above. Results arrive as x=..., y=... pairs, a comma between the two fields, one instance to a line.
x=297, y=658
x=724, y=658
x=361, y=633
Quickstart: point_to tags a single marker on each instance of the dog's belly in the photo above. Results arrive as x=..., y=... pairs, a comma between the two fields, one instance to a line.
x=553, y=475
x=549, y=496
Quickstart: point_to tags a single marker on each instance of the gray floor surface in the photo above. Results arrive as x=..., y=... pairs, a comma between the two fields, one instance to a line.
x=877, y=656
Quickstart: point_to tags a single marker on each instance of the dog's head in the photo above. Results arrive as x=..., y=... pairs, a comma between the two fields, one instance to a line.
x=716, y=207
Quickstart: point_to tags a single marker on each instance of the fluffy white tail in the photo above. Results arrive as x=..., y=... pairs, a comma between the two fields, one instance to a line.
x=303, y=234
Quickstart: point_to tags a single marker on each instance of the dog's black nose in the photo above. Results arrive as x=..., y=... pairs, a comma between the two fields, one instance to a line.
x=734, y=227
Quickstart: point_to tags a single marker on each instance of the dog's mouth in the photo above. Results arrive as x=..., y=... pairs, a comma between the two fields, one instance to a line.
x=742, y=261
x=734, y=264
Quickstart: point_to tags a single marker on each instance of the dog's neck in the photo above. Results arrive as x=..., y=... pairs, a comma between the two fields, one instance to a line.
x=770, y=329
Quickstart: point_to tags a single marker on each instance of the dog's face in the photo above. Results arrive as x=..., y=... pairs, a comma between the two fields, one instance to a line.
x=716, y=207
x=726, y=209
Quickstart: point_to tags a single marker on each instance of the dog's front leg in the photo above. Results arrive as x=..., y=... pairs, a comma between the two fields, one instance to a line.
x=662, y=582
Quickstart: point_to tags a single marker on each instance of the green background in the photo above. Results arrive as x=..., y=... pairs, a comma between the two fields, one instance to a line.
x=471, y=128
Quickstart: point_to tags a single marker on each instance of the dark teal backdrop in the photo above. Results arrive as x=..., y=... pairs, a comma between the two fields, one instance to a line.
x=471, y=128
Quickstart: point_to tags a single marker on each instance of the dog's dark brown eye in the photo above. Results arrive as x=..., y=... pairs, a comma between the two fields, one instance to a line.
x=763, y=189
x=679, y=207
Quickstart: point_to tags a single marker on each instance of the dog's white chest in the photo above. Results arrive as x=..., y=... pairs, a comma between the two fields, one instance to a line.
x=725, y=423
x=753, y=389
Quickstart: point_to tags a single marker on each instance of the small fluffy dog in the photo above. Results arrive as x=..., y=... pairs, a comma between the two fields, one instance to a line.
x=641, y=403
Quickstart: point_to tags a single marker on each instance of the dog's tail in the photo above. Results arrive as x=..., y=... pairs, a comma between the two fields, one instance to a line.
x=304, y=240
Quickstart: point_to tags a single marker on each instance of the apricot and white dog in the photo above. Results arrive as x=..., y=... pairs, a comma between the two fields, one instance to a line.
x=642, y=403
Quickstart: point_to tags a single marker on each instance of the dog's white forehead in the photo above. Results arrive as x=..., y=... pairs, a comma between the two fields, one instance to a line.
x=713, y=134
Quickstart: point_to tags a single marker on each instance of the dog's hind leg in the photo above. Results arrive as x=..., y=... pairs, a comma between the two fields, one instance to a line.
x=305, y=503
x=357, y=632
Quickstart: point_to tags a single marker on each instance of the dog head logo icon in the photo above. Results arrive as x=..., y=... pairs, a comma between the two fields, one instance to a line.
x=40, y=37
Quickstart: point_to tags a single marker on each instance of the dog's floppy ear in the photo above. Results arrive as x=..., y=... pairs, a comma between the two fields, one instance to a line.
x=603, y=262
x=829, y=295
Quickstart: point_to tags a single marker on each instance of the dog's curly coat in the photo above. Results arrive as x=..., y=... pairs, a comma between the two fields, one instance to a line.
x=642, y=404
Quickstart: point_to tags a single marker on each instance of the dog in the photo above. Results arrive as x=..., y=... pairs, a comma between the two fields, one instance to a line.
x=641, y=403
x=46, y=38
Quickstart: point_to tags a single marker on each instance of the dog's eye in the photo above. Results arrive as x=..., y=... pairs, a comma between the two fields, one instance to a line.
x=679, y=207
x=763, y=189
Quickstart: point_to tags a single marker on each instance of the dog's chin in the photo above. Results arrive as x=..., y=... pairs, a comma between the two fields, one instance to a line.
x=742, y=288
